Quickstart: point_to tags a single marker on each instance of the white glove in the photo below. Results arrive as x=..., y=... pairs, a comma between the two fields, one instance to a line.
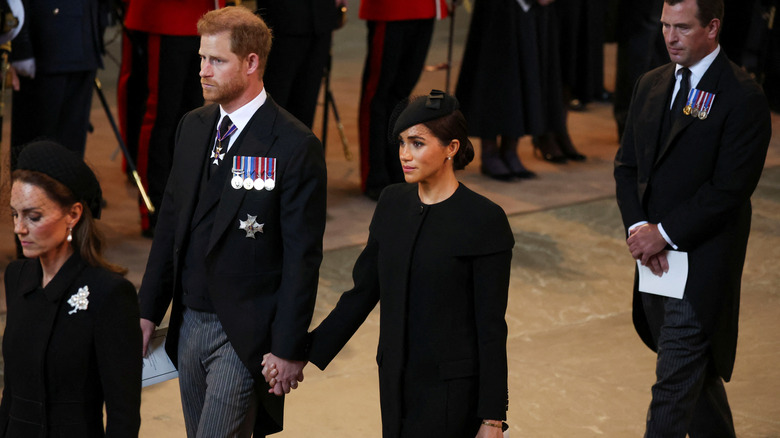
x=25, y=67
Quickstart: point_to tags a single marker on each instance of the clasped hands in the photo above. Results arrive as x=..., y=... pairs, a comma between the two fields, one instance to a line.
x=282, y=375
x=647, y=245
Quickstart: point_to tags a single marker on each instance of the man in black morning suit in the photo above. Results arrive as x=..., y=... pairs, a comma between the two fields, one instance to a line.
x=237, y=251
x=684, y=183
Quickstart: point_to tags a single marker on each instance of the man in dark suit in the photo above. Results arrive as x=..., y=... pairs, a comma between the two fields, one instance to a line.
x=55, y=58
x=685, y=172
x=238, y=243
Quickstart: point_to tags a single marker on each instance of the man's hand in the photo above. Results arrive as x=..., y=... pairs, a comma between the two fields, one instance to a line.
x=147, y=329
x=282, y=375
x=658, y=264
x=644, y=242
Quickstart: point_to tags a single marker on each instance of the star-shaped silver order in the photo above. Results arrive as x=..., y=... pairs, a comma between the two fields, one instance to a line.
x=250, y=225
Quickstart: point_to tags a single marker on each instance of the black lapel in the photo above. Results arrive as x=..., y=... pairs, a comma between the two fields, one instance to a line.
x=198, y=144
x=64, y=278
x=657, y=105
x=709, y=83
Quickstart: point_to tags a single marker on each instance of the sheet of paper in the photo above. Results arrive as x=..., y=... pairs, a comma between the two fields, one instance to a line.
x=670, y=284
x=157, y=365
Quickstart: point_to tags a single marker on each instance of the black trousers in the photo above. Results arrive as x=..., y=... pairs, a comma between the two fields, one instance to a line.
x=294, y=72
x=688, y=395
x=395, y=60
x=52, y=106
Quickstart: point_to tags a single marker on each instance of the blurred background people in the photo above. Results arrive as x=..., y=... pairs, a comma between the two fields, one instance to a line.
x=510, y=85
x=158, y=84
x=53, y=64
x=302, y=32
x=582, y=28
x=399, y=35
x=72, y=338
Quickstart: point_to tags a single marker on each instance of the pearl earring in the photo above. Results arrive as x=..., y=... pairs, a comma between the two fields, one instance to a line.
x=70, y=235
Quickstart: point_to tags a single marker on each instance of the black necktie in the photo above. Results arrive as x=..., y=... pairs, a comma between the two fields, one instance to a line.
x=225, y=130
x=682, y=93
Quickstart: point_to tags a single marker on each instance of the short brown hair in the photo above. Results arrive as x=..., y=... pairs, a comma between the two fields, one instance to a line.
x=248, y=32
x=708, y=10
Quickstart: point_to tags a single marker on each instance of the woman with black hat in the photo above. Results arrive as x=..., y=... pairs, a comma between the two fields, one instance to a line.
x=72, y=341
x=438, y=259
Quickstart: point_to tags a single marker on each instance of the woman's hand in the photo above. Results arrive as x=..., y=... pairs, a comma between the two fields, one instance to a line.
x=486, y=431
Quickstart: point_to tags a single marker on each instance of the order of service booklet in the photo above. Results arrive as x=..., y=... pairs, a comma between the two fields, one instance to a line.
x=670, y=284
x=157, y=365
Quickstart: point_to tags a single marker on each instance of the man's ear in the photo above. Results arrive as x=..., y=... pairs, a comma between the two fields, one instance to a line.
x=253, y=63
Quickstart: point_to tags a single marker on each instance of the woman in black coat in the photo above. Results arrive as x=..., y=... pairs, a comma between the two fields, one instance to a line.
x=72, y=341
x=438, y=259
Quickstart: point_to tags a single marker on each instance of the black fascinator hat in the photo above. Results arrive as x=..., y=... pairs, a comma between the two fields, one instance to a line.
x=421, y=109
x=63, y=165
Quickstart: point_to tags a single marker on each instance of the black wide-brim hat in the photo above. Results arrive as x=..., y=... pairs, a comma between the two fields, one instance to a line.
x=63, y=165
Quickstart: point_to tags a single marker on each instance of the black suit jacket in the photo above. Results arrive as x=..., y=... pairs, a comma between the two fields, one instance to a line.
x=463, y=322
x=262, y=289
x=61, y=367
x=697, y=183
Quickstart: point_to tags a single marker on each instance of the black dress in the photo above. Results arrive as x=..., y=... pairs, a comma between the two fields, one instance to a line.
x=441, y=273
x=510, y=78
x=62, y=363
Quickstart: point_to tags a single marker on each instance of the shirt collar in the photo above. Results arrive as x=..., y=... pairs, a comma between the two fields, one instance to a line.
x=241, y=116
x=701, y=67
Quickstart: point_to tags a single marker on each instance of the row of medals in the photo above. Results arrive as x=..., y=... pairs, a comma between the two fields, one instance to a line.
x=248, y=183
x=694, y=112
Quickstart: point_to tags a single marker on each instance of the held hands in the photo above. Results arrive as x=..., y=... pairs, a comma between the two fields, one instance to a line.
x=645, y=242
x=282, y=375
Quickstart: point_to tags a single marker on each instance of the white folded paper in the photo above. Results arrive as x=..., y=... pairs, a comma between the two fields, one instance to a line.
x=670, y=284
x=157, y=365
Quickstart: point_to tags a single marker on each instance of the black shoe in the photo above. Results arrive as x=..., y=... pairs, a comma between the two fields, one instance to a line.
x=513, y=163
x=548, y=150
x=493, y=167
x=568, y=149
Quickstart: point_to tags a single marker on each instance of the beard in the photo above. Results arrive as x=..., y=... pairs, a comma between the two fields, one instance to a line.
x=225, y=92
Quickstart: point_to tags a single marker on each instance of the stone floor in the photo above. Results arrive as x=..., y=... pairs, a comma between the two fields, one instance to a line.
x=576, y=368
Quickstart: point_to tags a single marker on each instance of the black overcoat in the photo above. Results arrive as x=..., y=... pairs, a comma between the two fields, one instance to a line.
x=61, y=367
x=697, y=183
x=457, y=321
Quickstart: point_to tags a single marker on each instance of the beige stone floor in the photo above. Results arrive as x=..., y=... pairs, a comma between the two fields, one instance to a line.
x=576, y=368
